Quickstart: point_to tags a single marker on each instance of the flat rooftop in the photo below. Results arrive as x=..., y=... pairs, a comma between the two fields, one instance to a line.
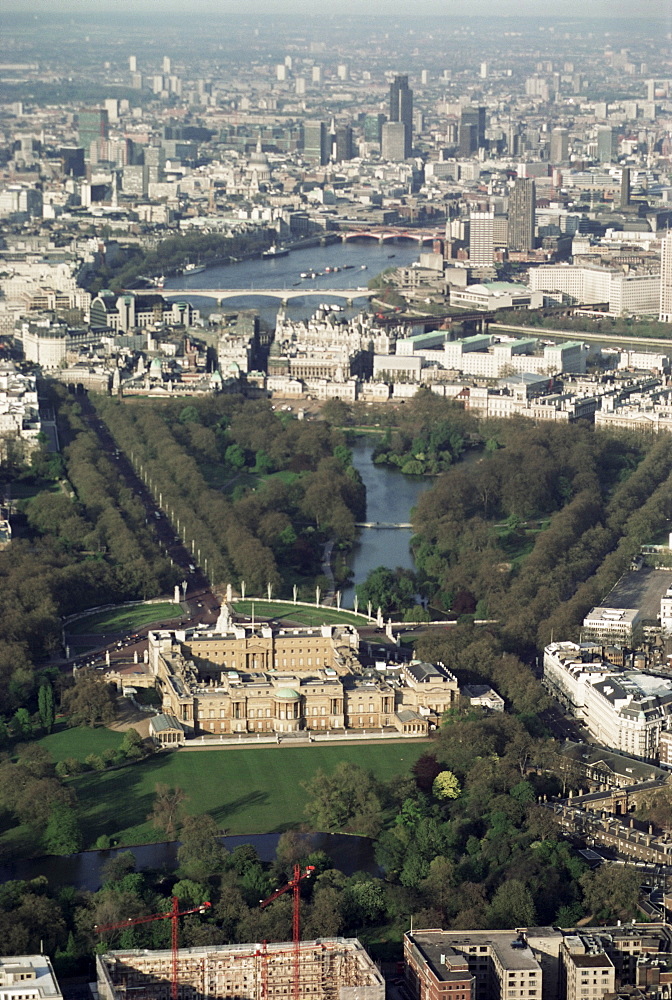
x=512, y=956
x=641, y=589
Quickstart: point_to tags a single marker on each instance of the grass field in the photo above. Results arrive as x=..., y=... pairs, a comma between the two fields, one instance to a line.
x=297, y=613
x=124, y=619
x=246, y=791
x=79, y=742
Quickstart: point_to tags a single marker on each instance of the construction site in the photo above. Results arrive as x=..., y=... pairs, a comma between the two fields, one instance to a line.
x=326, y=969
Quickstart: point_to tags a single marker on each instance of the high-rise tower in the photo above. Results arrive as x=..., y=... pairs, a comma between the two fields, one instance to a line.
x=315, y=142
x=666, y=280
x=472, y=130
x=92, y=125
x=521, y=214
x=401, y=109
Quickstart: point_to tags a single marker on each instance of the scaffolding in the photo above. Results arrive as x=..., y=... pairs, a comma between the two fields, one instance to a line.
x=329, y=969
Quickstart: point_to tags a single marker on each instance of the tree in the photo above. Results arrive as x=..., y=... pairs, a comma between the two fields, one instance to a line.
x=200, y=854
x=46, y=706
x=387, y=589
x=612, y=890
x=324, y=918
x=425, y=770
x=167, y=809
x=346, y=799
x=132, y=744
x=63, y=834
x=512, y=906
x=446, y=786
x=90, y=701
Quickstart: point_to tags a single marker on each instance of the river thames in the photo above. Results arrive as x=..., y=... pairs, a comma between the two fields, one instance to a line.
x=357, y=263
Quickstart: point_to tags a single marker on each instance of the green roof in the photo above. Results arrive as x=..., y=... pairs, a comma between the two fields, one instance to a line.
x=288, y=694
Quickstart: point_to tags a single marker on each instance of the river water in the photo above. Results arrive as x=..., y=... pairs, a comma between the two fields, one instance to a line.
x=366, y=260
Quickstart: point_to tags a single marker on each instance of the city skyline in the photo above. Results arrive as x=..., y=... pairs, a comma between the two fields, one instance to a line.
x=572, y=9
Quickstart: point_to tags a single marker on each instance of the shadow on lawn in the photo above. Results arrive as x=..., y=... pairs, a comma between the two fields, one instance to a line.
x=228, y=810
x=112, y=801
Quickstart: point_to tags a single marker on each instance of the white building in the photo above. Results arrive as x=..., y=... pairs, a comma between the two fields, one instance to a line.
x=623, y=709
x=484, y=356
x=481, y=238
x=625, y=293
x=28, y=977
x=665, y=313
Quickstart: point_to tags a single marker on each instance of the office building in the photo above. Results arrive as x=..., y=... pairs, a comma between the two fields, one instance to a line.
x=316, y=74
x=625, y=187
x=315, y=142
x=93, y=127
x=606, y=144
x=666, y=280
x=394, y=142
x=481, y=238
x=165, y=64
x=373, y=127
x=401, y=110
x=132, y=64
x=342, y=144
x=522, y=201
x=471, y=135
x=72, y=158
x=559, y=145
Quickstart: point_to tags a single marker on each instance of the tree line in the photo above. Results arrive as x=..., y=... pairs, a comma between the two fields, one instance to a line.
x=213, y=466
x=460, y=839
x=79, y=541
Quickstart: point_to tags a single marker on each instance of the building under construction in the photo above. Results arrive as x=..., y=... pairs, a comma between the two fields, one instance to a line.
x=328, y=969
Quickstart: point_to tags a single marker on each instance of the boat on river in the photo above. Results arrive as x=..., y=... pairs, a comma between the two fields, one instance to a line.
x=275, y=251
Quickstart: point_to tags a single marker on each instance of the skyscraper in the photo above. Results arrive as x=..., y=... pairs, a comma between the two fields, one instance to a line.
x=315, y=144
x=401, y=109
x=373, y=127
x=625, y=187
x=342, y=143
x=393, y=142
x=471, y=136
x=666, y=280
x=559, y=145
x=92, y=125
x=522, y=202
x=606, y=144
x=481, y=238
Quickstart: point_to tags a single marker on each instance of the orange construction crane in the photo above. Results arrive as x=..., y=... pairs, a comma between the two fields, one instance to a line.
x=171, y=915
x=294, y=885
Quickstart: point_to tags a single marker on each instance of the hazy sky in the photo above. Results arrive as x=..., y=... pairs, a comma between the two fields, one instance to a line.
x=562, y=9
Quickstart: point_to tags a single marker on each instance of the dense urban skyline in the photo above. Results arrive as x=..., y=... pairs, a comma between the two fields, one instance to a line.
x=609, y=9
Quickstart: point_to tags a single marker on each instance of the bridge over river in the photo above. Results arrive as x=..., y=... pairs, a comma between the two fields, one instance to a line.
x=383, y=524
x=284, y=294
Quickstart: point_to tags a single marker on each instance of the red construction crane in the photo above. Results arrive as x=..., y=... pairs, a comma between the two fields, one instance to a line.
x=171, y=915
x=295, y=885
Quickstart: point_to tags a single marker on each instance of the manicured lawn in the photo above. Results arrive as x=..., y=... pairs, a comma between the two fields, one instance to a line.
x=246, y=791
x=79, y=742
x=297, y=613
x=125, y=619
